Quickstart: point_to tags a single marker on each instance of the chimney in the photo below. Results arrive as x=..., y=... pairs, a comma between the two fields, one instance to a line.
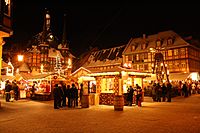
x=144, y=36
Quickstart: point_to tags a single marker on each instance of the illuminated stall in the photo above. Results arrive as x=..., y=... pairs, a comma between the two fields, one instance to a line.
x=43, y=85
x=114, y=82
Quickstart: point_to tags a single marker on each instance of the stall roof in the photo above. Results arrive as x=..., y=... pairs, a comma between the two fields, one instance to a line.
x=5, y=77
x=179, y=76
x=117, y=71
x=27, y=76
x=4, y=64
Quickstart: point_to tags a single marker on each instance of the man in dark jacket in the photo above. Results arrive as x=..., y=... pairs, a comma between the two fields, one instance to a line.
x=169, y=91
x=130, y=95
x=74, y=95
x=69, y=96
x=57, y=96
x=16, y=90
x=64, y=91
x=8, y=88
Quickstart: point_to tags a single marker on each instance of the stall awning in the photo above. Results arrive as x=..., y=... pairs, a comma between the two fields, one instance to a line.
x=5, y=77
x=179, y=76
x=150, y=78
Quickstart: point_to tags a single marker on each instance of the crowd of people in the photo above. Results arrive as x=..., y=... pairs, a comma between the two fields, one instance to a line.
x=165, y=91
x=188, y=88
x=66, y=95
x=162, y=92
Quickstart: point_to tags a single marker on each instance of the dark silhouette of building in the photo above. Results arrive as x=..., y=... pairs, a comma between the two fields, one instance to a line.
x=46, y=54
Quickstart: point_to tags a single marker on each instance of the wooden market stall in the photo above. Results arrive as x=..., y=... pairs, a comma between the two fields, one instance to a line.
x=43, y=85
x=110, y=83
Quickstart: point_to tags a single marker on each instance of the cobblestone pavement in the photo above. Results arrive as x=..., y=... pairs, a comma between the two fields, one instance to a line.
x=182, y=115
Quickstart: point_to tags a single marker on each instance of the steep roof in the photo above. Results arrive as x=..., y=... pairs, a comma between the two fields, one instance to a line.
x=150, y=41
x=111, y=56
x=4, y=64
x=53, y=53
x=24, y=68
x=79, y=62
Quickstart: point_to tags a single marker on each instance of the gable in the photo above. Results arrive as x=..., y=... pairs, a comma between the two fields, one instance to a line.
x=80, y=72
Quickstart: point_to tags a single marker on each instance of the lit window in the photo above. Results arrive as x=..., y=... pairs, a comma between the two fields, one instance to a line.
x=175, y=52
x=126, y=58
x=137, y=57
x=182, y=51
x=69, y=63
x=107, y=85
x=169, y=53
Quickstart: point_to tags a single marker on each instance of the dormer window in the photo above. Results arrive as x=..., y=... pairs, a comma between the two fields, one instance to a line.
x=144, y=45
x=133, y=48
x=158, y=43
x=169, y=41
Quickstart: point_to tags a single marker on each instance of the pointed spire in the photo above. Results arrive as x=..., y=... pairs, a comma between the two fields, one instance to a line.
x=46, y=25
x=44, y=31
x=64, y=39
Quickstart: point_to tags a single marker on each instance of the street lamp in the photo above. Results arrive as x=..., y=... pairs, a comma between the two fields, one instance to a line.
x=20, y=57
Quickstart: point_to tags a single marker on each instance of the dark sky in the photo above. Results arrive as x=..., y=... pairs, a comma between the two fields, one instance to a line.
x=102, y=24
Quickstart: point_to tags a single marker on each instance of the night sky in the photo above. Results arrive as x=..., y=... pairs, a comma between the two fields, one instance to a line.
x=101, y=25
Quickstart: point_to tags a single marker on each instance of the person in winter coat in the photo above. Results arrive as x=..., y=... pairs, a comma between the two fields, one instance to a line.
x=69, y=96
x=57, y=96
x=8, y=88
x=64, y=91
x=169, y=91
x=130, y=95
x=164, y=92
x=74, y=95
x=139, y=95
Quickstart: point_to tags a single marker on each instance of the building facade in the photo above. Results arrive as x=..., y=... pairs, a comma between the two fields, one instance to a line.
x=5, y=24
x=180, y=55
x=46, y=54
x=113, y=70
x=104, y=77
